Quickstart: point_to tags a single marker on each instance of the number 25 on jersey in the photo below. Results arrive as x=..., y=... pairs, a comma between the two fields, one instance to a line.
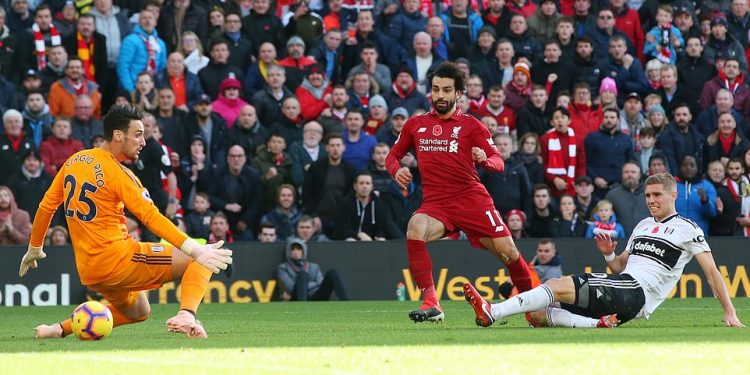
x=83, y=199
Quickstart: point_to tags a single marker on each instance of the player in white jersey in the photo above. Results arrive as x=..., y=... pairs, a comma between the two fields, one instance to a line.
x=643, y=275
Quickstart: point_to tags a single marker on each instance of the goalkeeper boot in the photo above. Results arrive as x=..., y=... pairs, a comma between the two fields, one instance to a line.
x=184, y=322
x=608, y=321
x=431, y=313
x=482, y=308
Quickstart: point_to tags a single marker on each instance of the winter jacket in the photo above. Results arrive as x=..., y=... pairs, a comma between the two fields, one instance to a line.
x=689, y=202
x=515, y=98
x=29, y=189
x=576, y=228
x=550, y=270
x=300, y=159
x=585, y=119
x=287, y=272
x=692, y=75
x=37, y=126
x=262, y=163
x=262, y=28
x=228, y=109
x=8, y=99
x=627, y=21
x=62, y=98
x=715, y=151
x=526, y=45
x=267, y=107
x=311, y=104
x=240, y=52
x=475, y=23
x=600, y=39
x=541, y=26
x=590, y=72
x=390, y=54
x=134, y=57
x=99, y=59
x=533, y=119
x=672, y=145
x=564, y=81
x=509, y=189
x=617, y=232
x=729, y=47
x=198, y=224
x=250, y=198
x=193, y=89
x=211, y=76
x=10, y=159
x=249, y=138
x=20, y=221
x=115, y=27
x=404, y=26
x=371, y=218
x=316, y=197
x=195, y=19
x=402, y=207
x=649, y=48
x=630, y=206
x=707, y=121
x=628, y=80
x=56, y=151
x=284, y=222
x=741, y=94
x=609, y=151
x=738, y=27
x=411, y=102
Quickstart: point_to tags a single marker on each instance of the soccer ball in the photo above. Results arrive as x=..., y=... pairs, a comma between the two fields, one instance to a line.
x=91, y=321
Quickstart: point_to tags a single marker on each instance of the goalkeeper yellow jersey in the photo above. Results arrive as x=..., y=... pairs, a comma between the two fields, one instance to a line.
x=94, y=188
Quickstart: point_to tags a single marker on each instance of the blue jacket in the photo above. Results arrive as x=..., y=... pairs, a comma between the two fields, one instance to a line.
x=620, y=231
x=359, y=153
x=689, y=202
x=612, y=151
x=672, y=145
x=134, y=57
x=649, y=48
x=404, y=26
x=475, y=23
x=627, y=80
x=193, y=89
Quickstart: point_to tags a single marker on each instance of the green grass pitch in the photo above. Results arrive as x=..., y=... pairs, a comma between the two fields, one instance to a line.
x=683, y=337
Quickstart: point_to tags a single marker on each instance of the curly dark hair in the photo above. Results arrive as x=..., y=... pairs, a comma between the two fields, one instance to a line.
x=449, y=70
x=119, y=118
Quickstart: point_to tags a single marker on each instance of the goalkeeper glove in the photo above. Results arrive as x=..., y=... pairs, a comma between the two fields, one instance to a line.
x=211, y=256
x=29, y=259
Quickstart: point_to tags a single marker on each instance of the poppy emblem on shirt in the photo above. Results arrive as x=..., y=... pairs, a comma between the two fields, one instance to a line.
x=437, y=130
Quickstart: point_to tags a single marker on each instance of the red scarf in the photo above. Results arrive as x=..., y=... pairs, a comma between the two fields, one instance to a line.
x=603, y=226
x=229, y=239
x=556, y=157
x=83, y=90
x=404, y=93
x=151, y=64
x=737, y=81
x=15, y=143
x=523, y=91
x=40, y=47
x=86, y=53
x=726, y=143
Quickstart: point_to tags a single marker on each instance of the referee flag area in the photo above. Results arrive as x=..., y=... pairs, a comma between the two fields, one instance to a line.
x=684, y=336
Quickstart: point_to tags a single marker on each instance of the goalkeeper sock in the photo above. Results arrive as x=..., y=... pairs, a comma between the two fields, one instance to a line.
x=118, y=318
x=194, y=285
x=520, y=274
x=420, y=267
x=66, y=328
x=564, y=318
x=533, y=300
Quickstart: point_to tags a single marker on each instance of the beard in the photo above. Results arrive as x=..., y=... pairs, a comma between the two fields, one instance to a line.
x=630, y=183
x=450, y=104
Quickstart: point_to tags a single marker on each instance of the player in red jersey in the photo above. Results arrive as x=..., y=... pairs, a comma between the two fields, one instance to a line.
x=449, y=145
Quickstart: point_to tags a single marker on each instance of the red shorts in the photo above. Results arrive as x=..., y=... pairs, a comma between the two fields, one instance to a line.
x=478, y=218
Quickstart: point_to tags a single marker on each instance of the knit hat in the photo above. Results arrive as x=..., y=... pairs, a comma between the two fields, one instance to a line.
x=719, y=19
x=522, y=67
x=377, y=101
x=657, y=108
x=608, y=84
x=230, y=82
x=315, y=68
x=295, y=40
x=518, y=212
x=404, y=69
x=487, y=29
x=400, y=111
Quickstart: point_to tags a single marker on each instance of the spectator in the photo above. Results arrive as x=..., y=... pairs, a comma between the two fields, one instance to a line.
x=237, y=191
x=544, y=20
x=58, y=236
x=524, y=43
x=142, y=50
x=663, y=40
x=241, y=49
x=547, y=264
x=306, y=151
x=588, y=68
x=275, y=168
x=670, y=92
x=363, y=216
x=53, y=72
x=179, y=16
x=290, y=124
x=261, y=25
x=475, y=92
x=64, y=93
x=144, y=96
x=632, y=120
x=329, y=54
x=36, y=116
x=684, y=13
x=184, y=84
x=194, y=174
x=656, y=119
x=214, y=131
x=726, y=142
x=523, y=7
x=112, y=22
x=30, y=183
x=332, y=118
x=569, y=222
x=738, y=21
x=628, y=21
x=529, y=153
x=390, y=53
x=14, y=142
x=216, y=22
x=83, y=124
x=327, y=181
x=9, y=69
x=627, y=198
x=389, y=132
x=401, y=204
x=295, y=62
x=494, y=107
x=19, y=17
x=681, y=138
x=306, y=231
x=601, y=35
x=730, y=78
x=381, y=179
x=359, y=145
x=563, y=155
x=172, y=121
x=268, y=101
x=518, y=91
x=657, y=164
x=302, y=280
x=497, y=16
x=369, y=64
x=423, y=61
x=624, y=69
x=728, y=200
x=57, y=148
x=540, y=223
x=552, y=71
x=405, y=94
x=722, y=44
x=535, y=116
x=229, y=103
x=256, y=74
x=585, y=116
x=377, y=115
x=653, y=76
x=707, y=121
x=267, y=233
x=219, y=229
x=90, y=47
x=302, y=21
x=585, y=199
x=15, y=225
x=461, y=25
x=248, y=131
x=406, y=23
x=693, y=72
x=34, y=42
x=359, y=89
x=218, y=69
x=611, y=149
x=510, y=188
x=198, y=220
x=191, y=48
x=698, y=201
x=605, y=222
x=284, y=216
x=608, y=94
x=565, y=37
x=646, y=148
x=314, y=93
x=516, y=222
x=502, y=70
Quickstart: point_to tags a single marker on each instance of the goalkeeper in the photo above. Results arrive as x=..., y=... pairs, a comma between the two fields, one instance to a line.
x=94, y=189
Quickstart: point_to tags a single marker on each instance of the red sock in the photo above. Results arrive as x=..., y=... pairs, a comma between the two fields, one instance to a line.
x=420, y=266
x=520, y=275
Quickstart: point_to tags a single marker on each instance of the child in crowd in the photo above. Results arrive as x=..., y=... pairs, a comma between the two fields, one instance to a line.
x=605, y=222
x=198, y=221
x=664, y=39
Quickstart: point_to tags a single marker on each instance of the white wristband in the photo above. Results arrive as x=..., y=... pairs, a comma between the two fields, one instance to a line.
x=610, y=257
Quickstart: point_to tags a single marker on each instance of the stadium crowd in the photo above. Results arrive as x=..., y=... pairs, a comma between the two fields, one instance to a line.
x=271, y=120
